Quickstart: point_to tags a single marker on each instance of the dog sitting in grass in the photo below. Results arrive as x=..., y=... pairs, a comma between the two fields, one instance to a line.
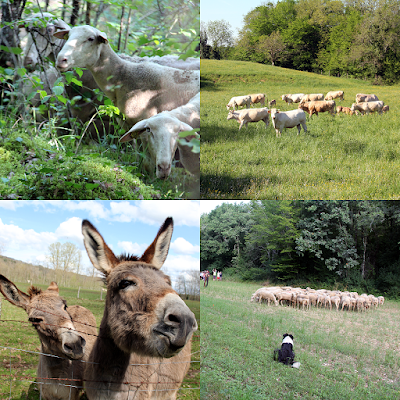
x=285, y=354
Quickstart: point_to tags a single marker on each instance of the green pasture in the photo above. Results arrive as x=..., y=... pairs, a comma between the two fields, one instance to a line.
x=343, y=355
x=341, y=157
x=22, y=336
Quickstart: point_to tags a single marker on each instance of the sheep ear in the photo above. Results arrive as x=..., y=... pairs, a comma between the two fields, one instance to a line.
x=134, y=132
x=99, y=253
x=102, y=37
x=157, y=252
x=62, y=34
x=185, y=127
x=13, y=294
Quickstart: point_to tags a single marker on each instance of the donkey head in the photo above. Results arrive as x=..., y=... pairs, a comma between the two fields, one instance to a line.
x=47, y=312
x=143, y=314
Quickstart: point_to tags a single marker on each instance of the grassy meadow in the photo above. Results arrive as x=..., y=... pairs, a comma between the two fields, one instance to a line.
x=341, y=157
x=343, y=355
x=17, y=377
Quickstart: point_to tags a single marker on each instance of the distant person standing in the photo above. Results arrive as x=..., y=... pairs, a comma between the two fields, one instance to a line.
x=218, y=275
x=206, y=275
x=214, y=274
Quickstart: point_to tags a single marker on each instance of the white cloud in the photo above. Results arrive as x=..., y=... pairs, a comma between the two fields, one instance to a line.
x=71, y=230
x=24, y=243
x=182, y=246
x=133, y=248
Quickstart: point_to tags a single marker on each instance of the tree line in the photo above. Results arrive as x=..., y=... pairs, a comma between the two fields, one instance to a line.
x=341, y=244
x=353, y=38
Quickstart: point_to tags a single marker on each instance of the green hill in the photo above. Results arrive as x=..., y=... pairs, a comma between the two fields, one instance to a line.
x=341, y=157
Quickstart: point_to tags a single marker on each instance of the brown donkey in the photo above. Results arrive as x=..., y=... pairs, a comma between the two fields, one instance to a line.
x=144, y=346
x=60, y=335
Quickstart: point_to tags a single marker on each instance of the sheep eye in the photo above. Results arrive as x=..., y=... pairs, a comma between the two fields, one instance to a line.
x=125, y=283
x=90, y=39
x=148, y=129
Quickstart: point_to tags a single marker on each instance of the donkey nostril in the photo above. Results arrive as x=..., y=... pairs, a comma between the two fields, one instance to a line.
x=172, y=318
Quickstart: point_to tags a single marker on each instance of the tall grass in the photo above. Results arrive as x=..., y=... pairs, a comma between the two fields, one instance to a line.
x=343, y=355
x=14, y=375
x=341, y=157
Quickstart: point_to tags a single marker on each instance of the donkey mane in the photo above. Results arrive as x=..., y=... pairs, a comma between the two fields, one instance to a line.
x=127, y=257
x=33, y=291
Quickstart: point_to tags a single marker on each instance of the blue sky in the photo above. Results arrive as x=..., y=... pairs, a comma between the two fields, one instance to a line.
x=27, y=228
x=231, y=11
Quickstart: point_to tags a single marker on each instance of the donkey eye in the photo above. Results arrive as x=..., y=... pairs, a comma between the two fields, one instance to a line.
x=125, y=283
x=35, y=321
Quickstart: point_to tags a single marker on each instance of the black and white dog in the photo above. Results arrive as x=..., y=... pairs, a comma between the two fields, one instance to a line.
x=285, y=354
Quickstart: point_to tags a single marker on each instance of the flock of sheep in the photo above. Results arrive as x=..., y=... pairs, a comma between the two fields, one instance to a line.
x=310, y=103
x=305, y=298
x=160, y=96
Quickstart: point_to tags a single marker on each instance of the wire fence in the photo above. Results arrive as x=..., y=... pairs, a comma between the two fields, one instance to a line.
x=78, y=383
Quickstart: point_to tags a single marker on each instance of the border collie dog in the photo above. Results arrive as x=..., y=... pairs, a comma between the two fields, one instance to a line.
x=285, y=354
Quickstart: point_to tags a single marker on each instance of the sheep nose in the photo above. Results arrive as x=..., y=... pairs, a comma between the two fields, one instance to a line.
x=62, y=62
x=163, y=170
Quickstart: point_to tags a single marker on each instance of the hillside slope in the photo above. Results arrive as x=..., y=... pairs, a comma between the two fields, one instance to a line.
x=341, y=157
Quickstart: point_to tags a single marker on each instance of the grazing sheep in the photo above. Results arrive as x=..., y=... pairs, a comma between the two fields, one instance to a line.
x=287, y=296
x=314, y=107
x=253, y=115
x=267, y=296
x=288, y=119
x=312, y=97
x=272, y=103
x=385, y=108
x=339, y=94
x=381, y=300
x=368, y=107
x=346, y=110
x=138, y=90
x=239, y=101
x=362, y=98
x=345, y=301
x=292, y=98
x=303, y=301
x=336, y=301
x=258, y=98
x=160, y=135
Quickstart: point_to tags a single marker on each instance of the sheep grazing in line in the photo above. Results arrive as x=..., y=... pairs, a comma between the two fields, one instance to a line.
x=385, y=108
x=326, y=298
x=160, y=136
x=253, y=115
x=139, y=90
x=239, y=101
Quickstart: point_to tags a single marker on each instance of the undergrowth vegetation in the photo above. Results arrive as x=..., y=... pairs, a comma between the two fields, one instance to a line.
x=341, y=157
x=343, y=355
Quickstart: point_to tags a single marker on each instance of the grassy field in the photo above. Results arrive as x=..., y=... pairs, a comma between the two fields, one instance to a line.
x=341, y=157
x=343, y=355
x=15, y=377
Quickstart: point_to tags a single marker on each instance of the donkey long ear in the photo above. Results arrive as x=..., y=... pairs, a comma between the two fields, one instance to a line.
x=99, y=253
x=157, y=252
x=53, y=287
x=13, y=294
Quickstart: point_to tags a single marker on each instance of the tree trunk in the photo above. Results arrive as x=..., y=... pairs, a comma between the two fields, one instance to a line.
x=75, y=12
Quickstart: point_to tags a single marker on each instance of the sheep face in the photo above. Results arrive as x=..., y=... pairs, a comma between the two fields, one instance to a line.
x=82, y=48
x=159, y=134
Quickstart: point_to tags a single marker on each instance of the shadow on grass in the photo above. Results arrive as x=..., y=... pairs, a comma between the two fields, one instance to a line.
x=226, y=187
x=208, y=85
